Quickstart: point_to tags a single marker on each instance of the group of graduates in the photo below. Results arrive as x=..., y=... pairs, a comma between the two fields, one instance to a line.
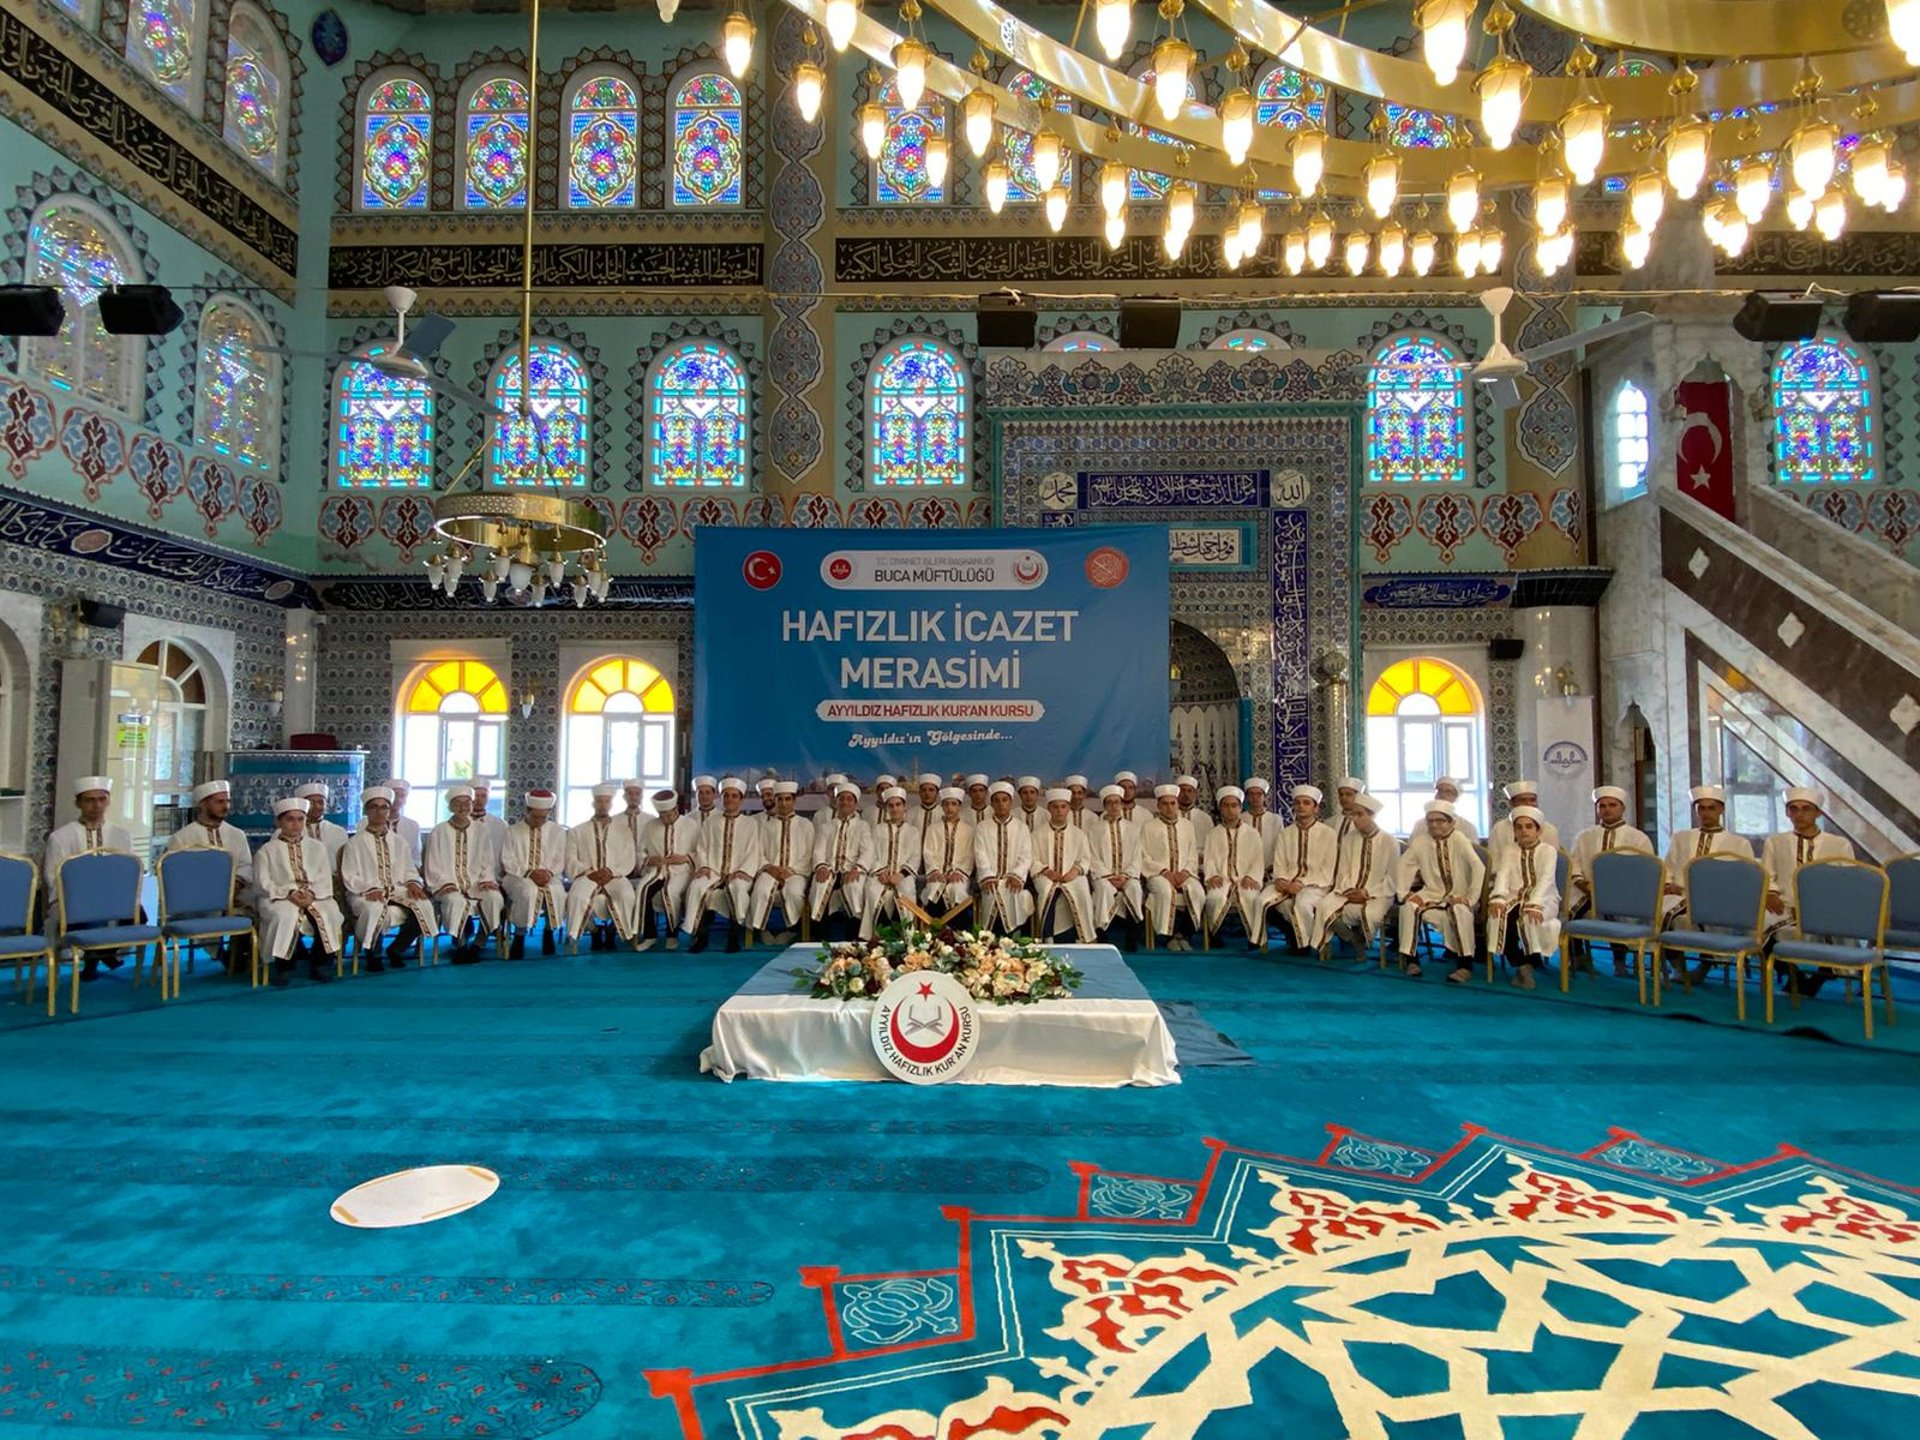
x=1011, y=851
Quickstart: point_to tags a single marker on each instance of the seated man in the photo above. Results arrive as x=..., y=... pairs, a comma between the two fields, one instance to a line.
x=1303, y=860
x=1114, y=883
x=1611, y=833
x=383, y=886
x=896, y=858
x=1523, y=906
x=333, y=836
x=1363, y=875
x=1235, y=865
x=1709, y=836
x=665, y=869
x=1448, y=789
x=786, y=853
x=533, y=859
x=1170, y=863
x=1520, y=792
x=462, y=872
x=1002, y=860
x=599, y=859
x=1061, y=861
x=294, y=895
x=842, y=854
x=1440, y=880
x=724, y=865
x=1783, y=855
x=209, y=830
x=946, y=859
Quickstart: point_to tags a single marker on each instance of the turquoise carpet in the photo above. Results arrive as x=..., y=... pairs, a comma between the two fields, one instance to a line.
x=1523, y=1213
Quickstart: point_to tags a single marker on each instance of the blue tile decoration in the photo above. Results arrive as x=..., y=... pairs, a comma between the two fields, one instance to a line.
x=1436, y=592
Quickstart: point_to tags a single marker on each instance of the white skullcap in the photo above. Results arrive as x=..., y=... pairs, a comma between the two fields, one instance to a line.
x=1527, y=812
x=459, y=792
x=836, y=778
x=1808, y=794
x=375, y=792
x=1028, y=782
x=765, y=782
x=735, y=784
x=1446, y=780
x=999, y=787
x=786, y=787
x=1440, y=807
x=1708, y=792
x=928, y=778
x=1126, y=775
x=973, y=780
x=481, y=782
x=209, y=788
x=700, y=780
x=953, y=792
x=394, y=782
x=311, y=789
x=1610, y=792
x=1522, y=787
x=1187, y=780
x=885, y=780
x=1079, y=780
x=1112, y=792
x=1229, y=792
x=1308, y=792
x=1258, y=782
x=606, y=790
x=893, y=792
x=287, y=804
x=540, y=799
x=846, y=787
x=1350, y=782
x=1166, y=792
x=1059, y=795
x=1372, y=804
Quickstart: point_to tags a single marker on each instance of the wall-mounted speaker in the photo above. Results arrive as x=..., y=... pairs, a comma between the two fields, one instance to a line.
x=1778, y=317
x=1506, y=647
x=138, y=310
x=1883, y=316
x=1149, y=324
x=102, y=614
x=30, y=310
x=1004, y=321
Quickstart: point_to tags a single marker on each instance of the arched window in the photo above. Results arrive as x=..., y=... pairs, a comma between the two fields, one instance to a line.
x=1412, y=129
x=396, y=142
x=1632, y=436
x=707, y=143
x=1286, y=97
x=900, y=174
x=75, y=247
x=236, y=392
x=453, y=730
x=1823, y=418
x=548, y=445
x=1075, y=341
x=382, y=427
x=1425, y=720
x=1150, y=184
x=255, y=112
x=165, y=41
x=180, y=725
x=697, y=417
x=493, y=143
x=603, y=141
x=619, y=724
x=1022, y=184
x=917, y=402
x=1416, y=413
x=1247, y=338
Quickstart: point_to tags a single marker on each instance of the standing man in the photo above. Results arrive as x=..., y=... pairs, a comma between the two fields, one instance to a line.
x=1170, y=861
x=1448, y=789
x=408, y=827
x=1520, y=792
x=1344, y=791
x=946, y=859
x=706, y=799
x=1060, y=865
x=295, y=891
x=533, y=858
x=333, y=836
x=881, y=785
x=1440, y=881
x=1235, y=865
x=599, y=860
x=1137, y=809
x=89, y=833
x=1363, y=874
x=383, y=885
x=1523, y=905
x=896, y=856
x=926, y=818
x=786, y=849
x=1078, y=788
x=977, y=798
x=1783, y=855
x=209, y=830
x=1708, y=836
x=1612, y=833
x=463, y=873
x=1303, y=859
x=842, y=855
x=1191, y=812
x=726, y=858
x=666, y=868
x=1114, y=883
x=1002, y=860
x=1266, y=823
x=1030, y=813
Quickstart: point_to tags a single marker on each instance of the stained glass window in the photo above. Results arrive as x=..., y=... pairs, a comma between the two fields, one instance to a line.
x=396, y=143
x=697, y=417
x=619, y=721
x=495, y=133
x=162, y=39
x=1247, y=339
x=74, y=247
x=1416, y=413
x=1626, y=67
x=1632, y=440
x=382, y=427
x=900, y=175
x=603, y=154
x=453, y=731
x=1075, y=341
x=707, y=145
x=1412, y=129
x=1285, y=97
x=256, y=81
x=236, y=394
x=1022, y=183
x=917, y=405
x=1150, y=184
x=1823, y=414
x=549, y=445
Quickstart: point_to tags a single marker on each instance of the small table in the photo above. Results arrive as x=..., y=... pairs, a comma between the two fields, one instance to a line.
x=1109, y=1034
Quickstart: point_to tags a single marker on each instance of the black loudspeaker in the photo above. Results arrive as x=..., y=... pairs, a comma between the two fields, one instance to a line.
x=1506, y=647
x=1778, y=317
x=102, y=614
x=1149, y=324
x=1005, y=322
x=30, y=310
x=1884, y=315
x=138, y=310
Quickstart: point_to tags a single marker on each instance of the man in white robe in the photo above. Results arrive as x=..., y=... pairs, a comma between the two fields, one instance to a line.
x=1611, y=833
x=599, y=860
x=946, y=859
x=1523, y=904
x=462, y=872
x=1260, y=814
x=1083, y=809
x=842, y=855
x=1192, y=812
x=1345, y=790
x=492, y=825
x=1061, y=862
x=1784, y=855
x=763, y=791
x=786, y=855
x=209, y=830
x=1440, y=881
x=1363, y=878
x=706, y=799
x=1520, y=792
x=1706, y=837
x=408, y=827
x=1448, y=789
x=1136, y=806
x=92, y=794
x=877, y=816
x=1234, y=864
x=924, y=817
x=294, y=895
x=383, y=886
x=533, y=862
x=1002, y=863
x=896, y=859
x=724, y=866
x=1030, y=812
x=333, y=836
x=1170, y=866
x=978, y=809
x=1302, y=869
x=667, y=845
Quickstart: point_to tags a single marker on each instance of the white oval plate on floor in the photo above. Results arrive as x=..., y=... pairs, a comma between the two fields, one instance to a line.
x=415, y=1197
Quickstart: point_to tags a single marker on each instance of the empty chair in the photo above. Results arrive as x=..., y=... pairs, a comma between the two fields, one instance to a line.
x=196, y=907
x=21, y=946
x=1627, y=887
x=1841, y=907
x=100, y=910
x=1726, y=919
x=1903, y=906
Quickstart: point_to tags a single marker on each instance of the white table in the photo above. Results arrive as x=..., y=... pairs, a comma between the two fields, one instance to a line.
x=1109, y=1034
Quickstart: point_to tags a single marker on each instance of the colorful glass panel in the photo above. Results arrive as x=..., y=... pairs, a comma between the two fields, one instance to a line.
x=707, y=148
x=604, y=146
x=1416, y=414
x=1150, y=184
x=497, y=145
x=1022, y=184
x=1632, y=440
x=1285, y=97
x=1823, y=414
x=622, y=677
x=1438, y=681
x=473, y=679
x=697, y=417
x=900, y=176
x=237, y=392
x=917, y=416
x=396, y=157
x=548, y=445
x=383, y=428
x=1248, y=340
x=71, y=248
x=1078, y=341
x=255, y=70
x=1412, y=129
x=160, y=42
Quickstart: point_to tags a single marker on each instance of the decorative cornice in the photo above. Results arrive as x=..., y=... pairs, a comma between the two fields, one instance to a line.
x=393, y=593
x=692, y=265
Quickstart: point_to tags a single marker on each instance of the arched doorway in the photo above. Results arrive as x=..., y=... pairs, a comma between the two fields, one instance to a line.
x=1203, y=695
x=184, y=725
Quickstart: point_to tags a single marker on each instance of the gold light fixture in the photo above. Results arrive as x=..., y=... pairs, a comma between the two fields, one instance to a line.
x=1689, y=143
x=1551, y=196
x=1116, y=229
x=1830, y=214
x=809, y=89
x=1236, y=123
x=1293, y=251
x=1646, y=198
x=1443, y=35
x=1800, y=209
x=1172, y=63
x=1231, y=251
x=1504, y=85
x=1753, y=189
x=976, y=119
x=842, y=16
x=998, y=178
x=1113, y=187
x=1381, y=174
x=1250, y=223
x=736, y=42
x=1056, y=206
x=939, y=159
x=1466, y=253
x=1319, y=240
x=1903, y=27
x=1869, y=167
x=1813, y=148
x=1181, y=197
x=1583, y=129
x=1635, y=245
x=910, y=58
x=1463, y=199
x=1112, y=23
x=1359, y=244
x=1309, y=160
x=1047, y=158
x=1893, y=193
x=1423, y=249
x=873, y=126
x=1393, y=250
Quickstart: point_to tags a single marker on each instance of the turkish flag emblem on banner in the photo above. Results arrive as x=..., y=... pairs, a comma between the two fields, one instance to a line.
x=1703, y=455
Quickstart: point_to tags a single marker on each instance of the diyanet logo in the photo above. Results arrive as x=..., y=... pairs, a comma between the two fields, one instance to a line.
x=925, y=1029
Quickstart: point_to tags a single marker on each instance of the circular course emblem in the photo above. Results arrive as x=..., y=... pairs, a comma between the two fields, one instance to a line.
x=924, y=1028
x=1107, y=567
x=762, y=569
x=1564, y=757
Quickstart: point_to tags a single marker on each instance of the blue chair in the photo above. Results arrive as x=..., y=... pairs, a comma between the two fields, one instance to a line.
x=1627, y=888
x=196, y=907
x=1841, y=907
x=1903, y=905
x=1726, y=919
x=20, y=945
x=100, y=910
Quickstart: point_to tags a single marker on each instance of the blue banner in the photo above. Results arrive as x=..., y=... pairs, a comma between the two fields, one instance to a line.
x=1004, y=651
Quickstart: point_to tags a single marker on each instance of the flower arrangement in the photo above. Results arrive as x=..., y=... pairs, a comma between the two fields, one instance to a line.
x=993, y=968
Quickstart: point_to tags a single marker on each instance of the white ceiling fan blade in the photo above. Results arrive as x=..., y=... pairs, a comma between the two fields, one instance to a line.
x=1580, y=339
x=1503, y=391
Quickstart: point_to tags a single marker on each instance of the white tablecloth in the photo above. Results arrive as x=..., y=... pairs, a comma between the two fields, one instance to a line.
x=1110, y=1034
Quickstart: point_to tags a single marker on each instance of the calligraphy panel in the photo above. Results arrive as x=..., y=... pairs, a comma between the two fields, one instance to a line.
x=555, y=266
x=1126, y=490
x=1210, y=547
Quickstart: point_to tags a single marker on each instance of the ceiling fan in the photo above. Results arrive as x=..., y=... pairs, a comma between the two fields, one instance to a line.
x=406, y=357
x=1501, y=369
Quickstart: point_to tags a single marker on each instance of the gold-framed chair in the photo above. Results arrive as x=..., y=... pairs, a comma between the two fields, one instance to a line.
x=1840, y=919
x=21, y=946
x=99, y=897
x=1726, y=920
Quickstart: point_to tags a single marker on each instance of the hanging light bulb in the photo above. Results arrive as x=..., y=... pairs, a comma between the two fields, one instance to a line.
x=1230, y=248
x=1869, y=166
x=1903, y=27
x=1503, y=88
x=1112, y=22
x=1180, y=201
x=1463, y=199
x=1811, y=155
x=1563, y=246
x=1713, y=220
x=1830, y=214
x=1293, y=251
x=1056, y=205
x=1113, y=187
x=1173, y=242
x=910, y=70
x=1733, y=234
x=809, y=88
x=436, y=570
x=1319, y=240
x=736, y=43
x=519, y=574
x=1493, y=249
x=1116, y=229
x=1893, y=193
x=1635, y=244
x=489, y=589
x=1646, y=199
x=1550, y=199
x=1309, y=161
x=1359, y=243
x=842, y=15
x=977, y=120
x=668, y=9
x=873, y=128
x=1172, y=65
x=1251, y=224
x=1382, y=176
x=1753, y=189
x=1236, y=124
x=1393, y=250
x=997, y=179
x=1583, y=137
x=1046, y=156
x=1800, y=210
x=939, y=158
x=1421, y=251
x=1466, y=253
x=1689, y=147
x=1443, y=35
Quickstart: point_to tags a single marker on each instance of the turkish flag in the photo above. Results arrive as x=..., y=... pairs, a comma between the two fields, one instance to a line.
x=1703, y=456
